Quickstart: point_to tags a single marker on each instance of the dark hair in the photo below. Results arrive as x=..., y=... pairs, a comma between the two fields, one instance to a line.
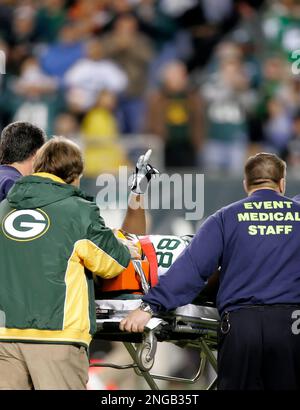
x=264, y=169
x=60, y=157
x=20, y=141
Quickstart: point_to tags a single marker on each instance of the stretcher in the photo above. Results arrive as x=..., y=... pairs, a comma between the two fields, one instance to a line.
x=194, y=325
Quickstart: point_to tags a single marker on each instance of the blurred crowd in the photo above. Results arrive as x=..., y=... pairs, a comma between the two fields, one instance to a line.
x=212, y=79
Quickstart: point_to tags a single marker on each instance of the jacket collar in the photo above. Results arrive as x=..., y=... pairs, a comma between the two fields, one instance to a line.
x=49, y=176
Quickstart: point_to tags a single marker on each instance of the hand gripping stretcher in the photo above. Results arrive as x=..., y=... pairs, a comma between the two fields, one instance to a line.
x=194, y=325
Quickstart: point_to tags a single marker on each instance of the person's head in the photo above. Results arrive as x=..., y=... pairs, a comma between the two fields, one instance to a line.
x=174, y=76
x=33, y=82
x=66, y=124
x=276, y=108
x=94, y=49
x=107, y=100
x=62, y=158
x=265, y=171
x=228, y=50
x=23, y=21
x=69, y=33
x=126, y=25
x=19, y=144
x=274, y=68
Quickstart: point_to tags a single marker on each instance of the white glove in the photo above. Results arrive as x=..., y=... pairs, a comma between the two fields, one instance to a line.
x=143, y=174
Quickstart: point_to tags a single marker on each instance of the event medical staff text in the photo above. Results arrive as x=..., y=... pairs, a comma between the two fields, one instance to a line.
x=273, y=214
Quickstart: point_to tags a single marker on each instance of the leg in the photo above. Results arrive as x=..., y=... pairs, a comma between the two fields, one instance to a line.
x=14, y=374
x=57, y=367
x=240, y=352
x=281, y=364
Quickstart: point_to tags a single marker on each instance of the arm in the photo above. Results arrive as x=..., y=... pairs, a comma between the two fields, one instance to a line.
x=9, y=183
x=101, y=252
x=186, y=277
x=135, y=219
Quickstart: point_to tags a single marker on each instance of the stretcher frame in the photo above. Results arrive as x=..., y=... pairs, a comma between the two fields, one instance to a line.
x=174, y=327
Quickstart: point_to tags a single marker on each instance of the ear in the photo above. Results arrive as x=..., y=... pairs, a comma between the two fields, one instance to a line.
x=76, y=182
x=245, y=187
x=282, y=185
x=29, y=165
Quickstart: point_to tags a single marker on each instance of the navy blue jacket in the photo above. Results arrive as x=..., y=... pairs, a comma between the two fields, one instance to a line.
x=255, y=241
x=8, y=176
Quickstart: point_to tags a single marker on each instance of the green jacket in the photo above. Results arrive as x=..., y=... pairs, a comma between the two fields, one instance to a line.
x=52, y=241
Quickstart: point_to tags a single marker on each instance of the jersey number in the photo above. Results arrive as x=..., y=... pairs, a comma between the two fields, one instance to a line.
x=164, y=255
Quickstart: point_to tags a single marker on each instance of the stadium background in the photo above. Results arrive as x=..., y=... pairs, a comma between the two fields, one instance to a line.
x=205, y=83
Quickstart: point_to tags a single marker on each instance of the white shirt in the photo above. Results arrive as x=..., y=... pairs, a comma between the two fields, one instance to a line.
x=90, y=77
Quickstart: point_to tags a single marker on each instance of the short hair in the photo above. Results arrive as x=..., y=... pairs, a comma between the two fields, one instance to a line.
x=19, y=141
x=60, y=157
x=264, y=169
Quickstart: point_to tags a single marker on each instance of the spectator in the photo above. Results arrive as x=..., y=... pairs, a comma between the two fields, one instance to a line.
x=289, y=93
x=67, y=124
x=277, y=128
x=174, y=114
x=94, y=16
x=160, y=21
x=282, y=26
x=6, y=17
x=293, y=148
x=228, y=100
x=34, y=97
x=92, y=74
x=274, y=73
x=50, y=20
x=60, y=56
x=249, y=30
x=207, y=22
x=132, y=51
x=22, y=40
x=100, y=137
x=57, y=32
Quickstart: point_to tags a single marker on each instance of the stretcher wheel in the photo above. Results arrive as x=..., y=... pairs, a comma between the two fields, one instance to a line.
x=145, y=360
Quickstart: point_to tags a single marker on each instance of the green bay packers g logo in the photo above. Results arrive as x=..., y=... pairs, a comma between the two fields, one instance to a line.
x=25, y=225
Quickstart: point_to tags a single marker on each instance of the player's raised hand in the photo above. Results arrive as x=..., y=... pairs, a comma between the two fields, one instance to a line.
x=143, y=174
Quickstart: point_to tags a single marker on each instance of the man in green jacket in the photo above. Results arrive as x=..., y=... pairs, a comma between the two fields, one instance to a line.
x=52, y=242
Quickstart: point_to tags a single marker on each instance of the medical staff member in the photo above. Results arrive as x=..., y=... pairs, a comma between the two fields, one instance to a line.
x=256, y=243
x=52, y=242
x=19, y=144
